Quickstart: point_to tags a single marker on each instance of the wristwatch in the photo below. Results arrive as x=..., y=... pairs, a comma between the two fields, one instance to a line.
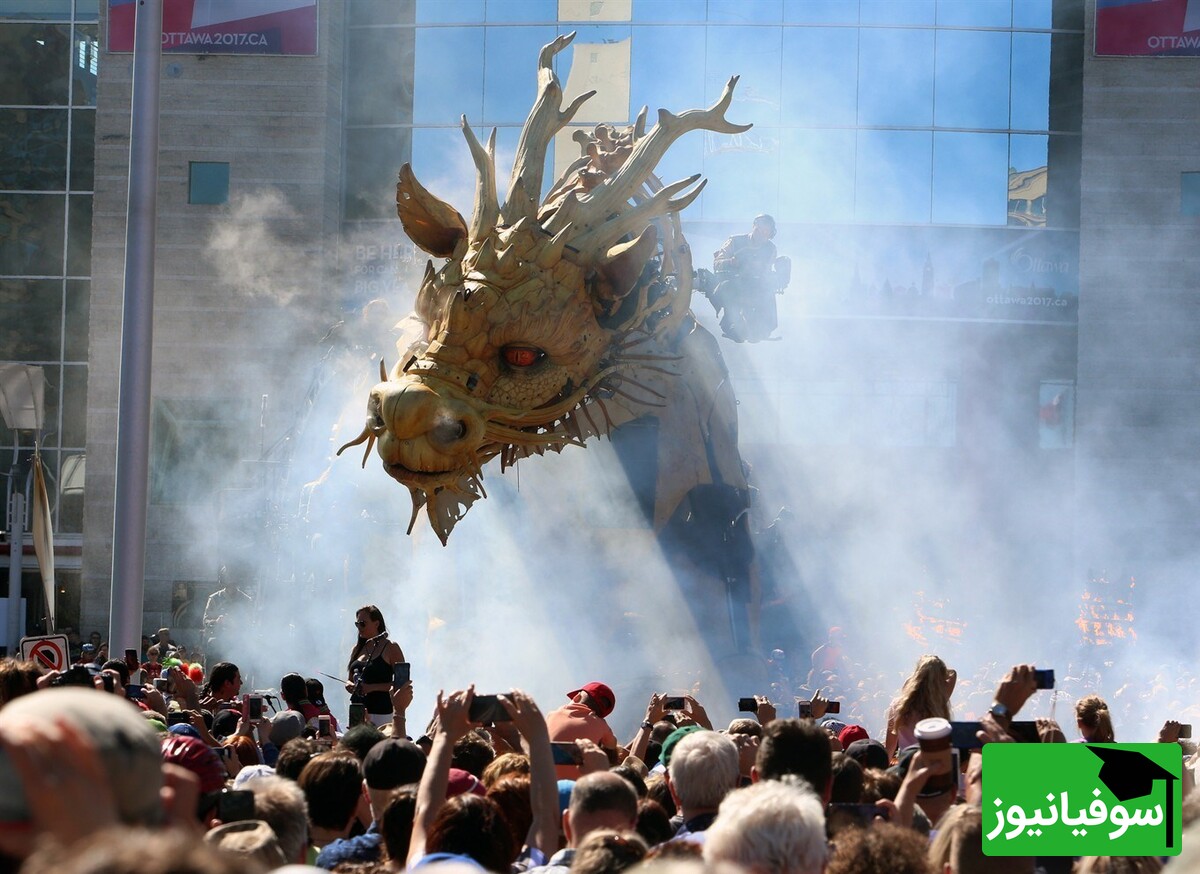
x=1000, y=711
x=646, y=723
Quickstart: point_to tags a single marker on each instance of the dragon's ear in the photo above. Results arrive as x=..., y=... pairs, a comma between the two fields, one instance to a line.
x=623, y=263
x=432, y=224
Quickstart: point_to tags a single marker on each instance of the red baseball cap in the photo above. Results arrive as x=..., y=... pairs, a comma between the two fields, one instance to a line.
x=601, y=694
x=851, y=733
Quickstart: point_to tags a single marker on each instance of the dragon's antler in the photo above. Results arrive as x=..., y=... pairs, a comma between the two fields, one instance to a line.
x=544, y=121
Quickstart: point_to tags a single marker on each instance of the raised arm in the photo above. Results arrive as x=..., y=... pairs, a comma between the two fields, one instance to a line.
x=453, y=722
x=543, y=780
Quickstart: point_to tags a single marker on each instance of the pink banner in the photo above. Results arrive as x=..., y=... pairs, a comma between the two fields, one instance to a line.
x=224, y=27
x=1140, y=28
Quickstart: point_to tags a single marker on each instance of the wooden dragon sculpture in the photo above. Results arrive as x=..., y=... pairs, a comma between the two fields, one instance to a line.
x=552, y=323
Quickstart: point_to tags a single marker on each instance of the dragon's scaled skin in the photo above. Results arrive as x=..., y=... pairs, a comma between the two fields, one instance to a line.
x=547, y=323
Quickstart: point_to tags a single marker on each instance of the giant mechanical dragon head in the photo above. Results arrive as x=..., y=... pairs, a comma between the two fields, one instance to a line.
x=535, y=319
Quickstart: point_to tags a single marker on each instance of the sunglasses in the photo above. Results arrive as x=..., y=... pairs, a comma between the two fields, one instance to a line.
x=359, y=623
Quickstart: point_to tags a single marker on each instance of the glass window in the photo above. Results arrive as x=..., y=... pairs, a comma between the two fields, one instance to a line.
x=816, y=179
x=895, y=78
x=892, y=176
x=755, y=54
x=1030, y=81
x=669, y=10
x=896, y=11
x=820, y=67
x=87, y=10
x=440, y=159
x=507, y=139
x=370, y=97
x=971, y=87
x=1189, y=193
x=457, y=89
x=974, y=13
x=666, y=69
x=970, y=178
x=83, y=150
x=743, y=175
x=373, y=160
x=510, y=72
x=31, y=234
x=685, y=158
x=39, y=9
x=598, y=60
x=74, y=407
x=85, y=65
x=820, y=11
x=30, y=319
x=79, y=235
x=446, y=11
x=33, y=149
x=34, y=64
x=522, y=10
x=78, y=303
x=1027, y=179
x=1032, y=13
x=208, y=182
x=741, y=12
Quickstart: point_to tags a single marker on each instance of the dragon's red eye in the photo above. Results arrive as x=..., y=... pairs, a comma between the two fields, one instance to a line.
x=522, y=356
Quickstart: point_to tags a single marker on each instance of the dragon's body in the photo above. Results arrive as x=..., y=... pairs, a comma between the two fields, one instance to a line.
x=550, y=323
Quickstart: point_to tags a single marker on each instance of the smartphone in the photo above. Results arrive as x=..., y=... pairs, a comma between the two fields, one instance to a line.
x=962, y=734
x=235, y=805
x=109, y=683
x=401, y=674
x=131, y=659
x=675, y=703
x=1185, y=730
x=1025, y=732
x=833, y=707
x=162, y=684
x=747, y=705
x=805, y=708
x=358, y=714
x=254, y=707
x=487, y=708
x=134, y=692
x=566, y=753
x=323, y=726
x=224, y=752
x=1045, y=678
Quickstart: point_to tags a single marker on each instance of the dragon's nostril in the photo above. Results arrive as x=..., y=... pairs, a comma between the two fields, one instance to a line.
x=449, y=431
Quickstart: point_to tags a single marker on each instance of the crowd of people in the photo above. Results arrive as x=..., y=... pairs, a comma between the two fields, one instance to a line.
x=156, y=765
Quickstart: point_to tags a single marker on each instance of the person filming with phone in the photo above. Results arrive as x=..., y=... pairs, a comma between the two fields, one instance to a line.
x=371, y=664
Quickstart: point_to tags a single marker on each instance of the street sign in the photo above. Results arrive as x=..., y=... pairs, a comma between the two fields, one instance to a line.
x=51, y=651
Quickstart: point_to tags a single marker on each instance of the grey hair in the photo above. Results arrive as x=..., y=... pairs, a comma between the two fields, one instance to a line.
x=704, y=769
x=281, y=804
x=772, y=827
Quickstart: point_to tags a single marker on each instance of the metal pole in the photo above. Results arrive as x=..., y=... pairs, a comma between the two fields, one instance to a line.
x=137, y=334
x=16, y=550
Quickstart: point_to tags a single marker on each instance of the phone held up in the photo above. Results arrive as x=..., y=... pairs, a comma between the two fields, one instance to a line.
x=488, y=709
x=401, y=674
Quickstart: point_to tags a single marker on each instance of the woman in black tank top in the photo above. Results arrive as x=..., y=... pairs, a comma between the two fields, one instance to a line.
x=371, y=665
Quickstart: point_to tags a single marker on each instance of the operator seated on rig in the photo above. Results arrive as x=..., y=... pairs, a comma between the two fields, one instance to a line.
x=748, y=275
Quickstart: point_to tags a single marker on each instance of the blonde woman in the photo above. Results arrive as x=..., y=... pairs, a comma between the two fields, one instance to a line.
x=924, y=694
x=1094, y=721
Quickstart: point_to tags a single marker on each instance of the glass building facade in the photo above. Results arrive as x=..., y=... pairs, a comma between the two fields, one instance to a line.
x=49, y=56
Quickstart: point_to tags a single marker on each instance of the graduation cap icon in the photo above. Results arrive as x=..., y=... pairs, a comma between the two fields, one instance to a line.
x=1128, y=774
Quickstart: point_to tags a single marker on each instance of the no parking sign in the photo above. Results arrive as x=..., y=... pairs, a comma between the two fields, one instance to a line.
x=50, y=651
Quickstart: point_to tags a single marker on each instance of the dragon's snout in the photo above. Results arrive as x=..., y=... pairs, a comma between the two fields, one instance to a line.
x=423, y=432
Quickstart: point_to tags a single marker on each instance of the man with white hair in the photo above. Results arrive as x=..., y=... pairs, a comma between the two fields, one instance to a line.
x=703, y=770
x=772, y=827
